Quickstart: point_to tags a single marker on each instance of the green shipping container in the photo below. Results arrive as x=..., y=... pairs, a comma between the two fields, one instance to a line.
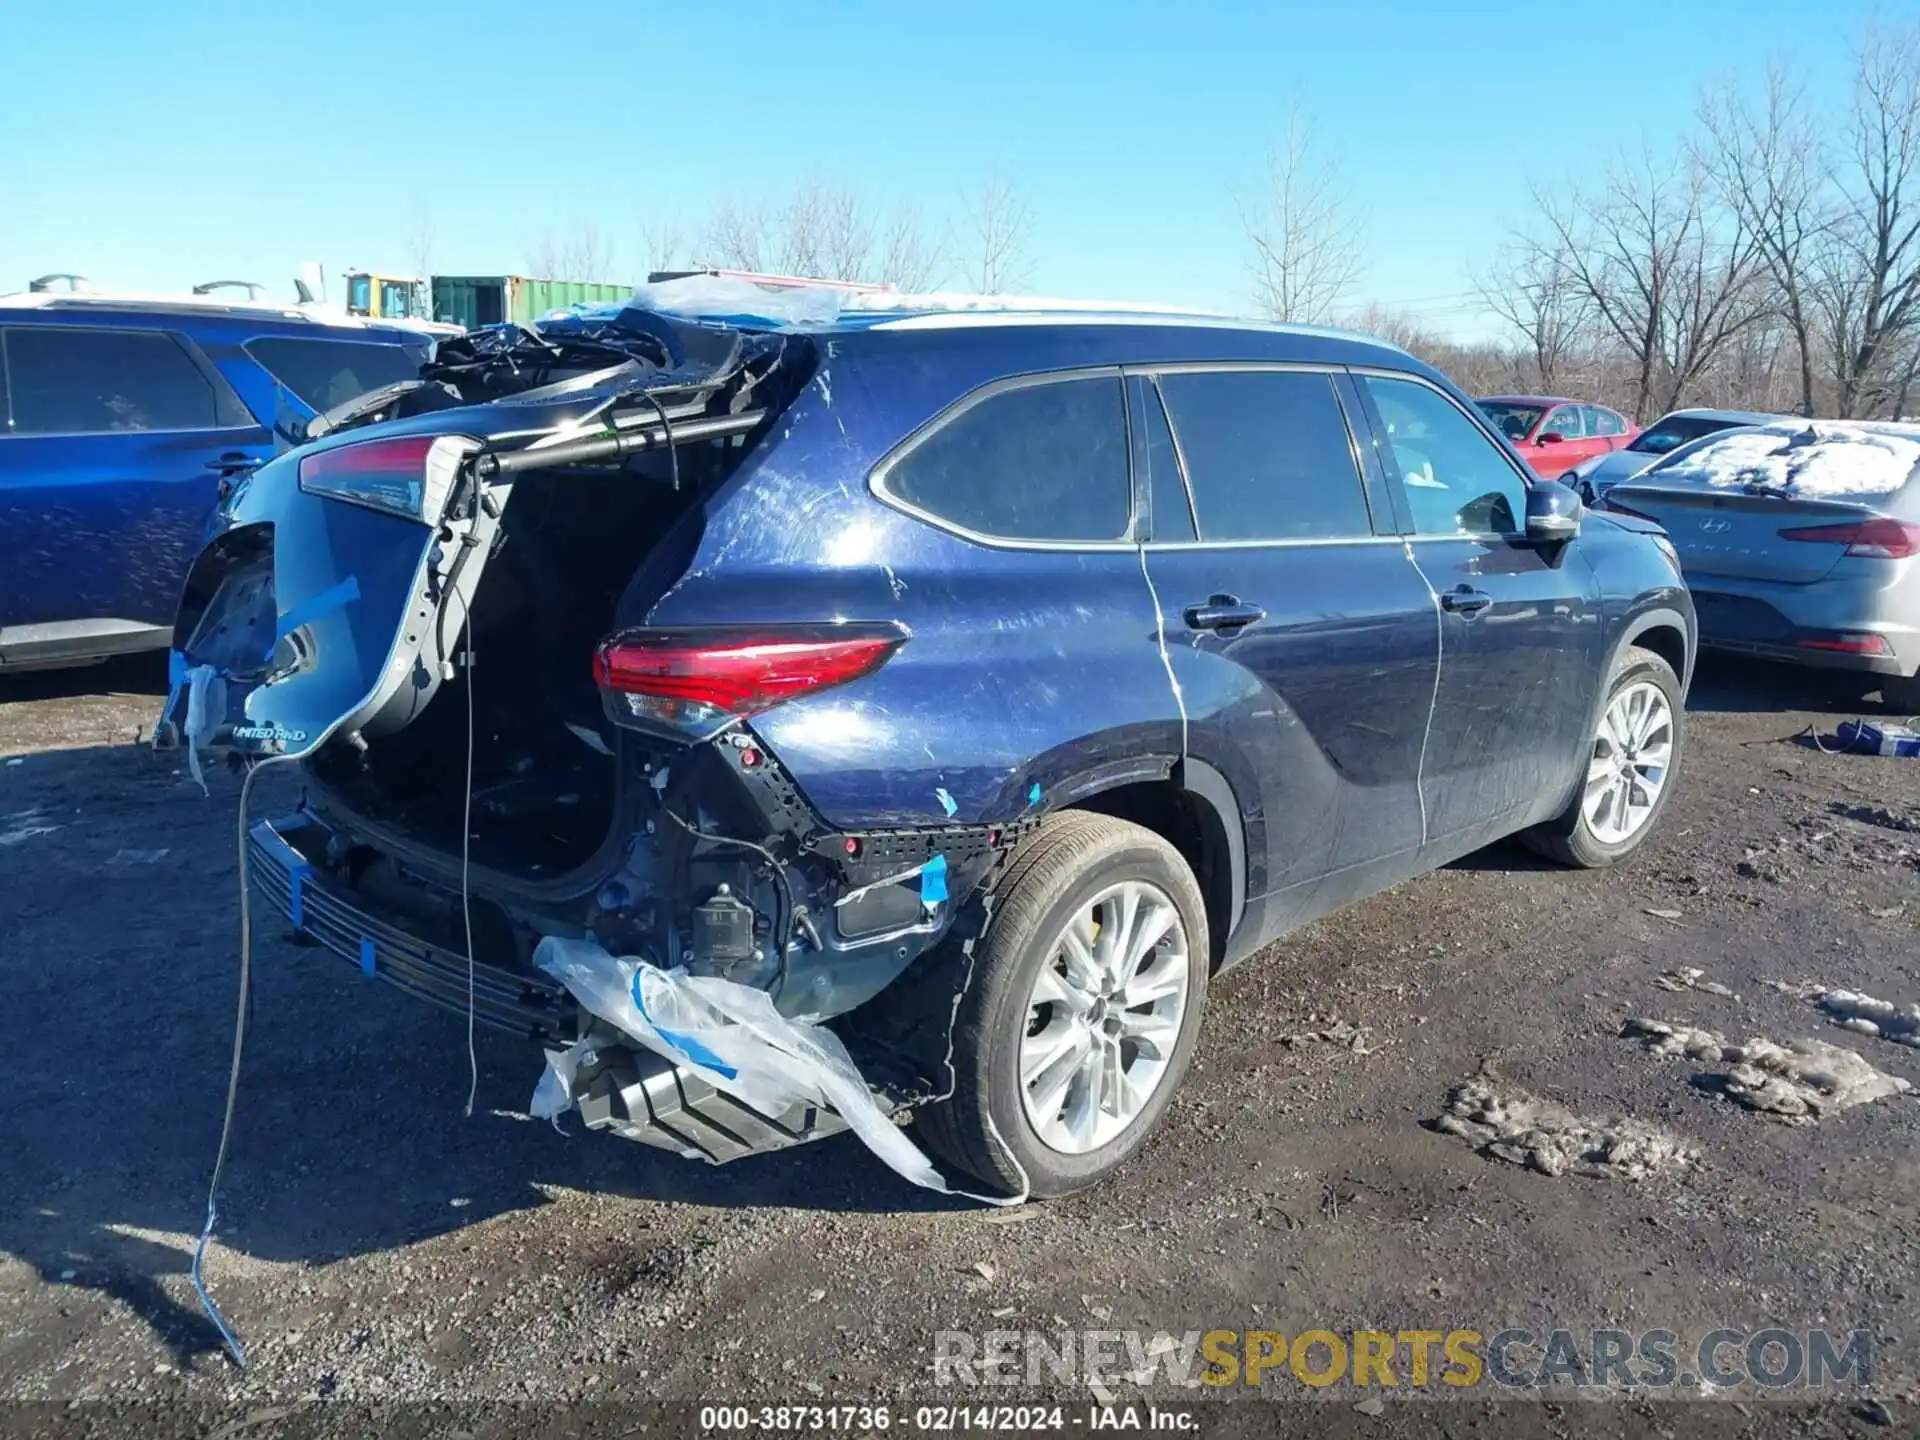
x=474, y=300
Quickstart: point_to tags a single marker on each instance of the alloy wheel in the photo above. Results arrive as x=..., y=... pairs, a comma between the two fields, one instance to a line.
x=1103, y=1017
x=1628, y=770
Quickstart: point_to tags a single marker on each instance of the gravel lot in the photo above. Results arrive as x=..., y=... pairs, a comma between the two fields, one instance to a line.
x=379, y=1246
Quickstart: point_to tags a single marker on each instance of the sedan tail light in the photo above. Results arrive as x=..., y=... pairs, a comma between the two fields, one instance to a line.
x=1880, y=538
x=696, y=682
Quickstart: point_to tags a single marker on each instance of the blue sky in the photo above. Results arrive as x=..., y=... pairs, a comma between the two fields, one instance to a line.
x=152, y=144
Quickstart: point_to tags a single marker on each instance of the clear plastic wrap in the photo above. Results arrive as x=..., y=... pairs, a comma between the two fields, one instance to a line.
x=731, y=1036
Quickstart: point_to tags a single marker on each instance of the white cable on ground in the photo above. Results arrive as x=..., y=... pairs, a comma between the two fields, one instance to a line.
x=227, y=1337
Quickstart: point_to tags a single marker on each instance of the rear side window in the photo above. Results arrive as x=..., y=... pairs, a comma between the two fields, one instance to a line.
x=78, y=380
x=1267, y=455
x=326, y=373
x=1566, y=423
x=1035, y=462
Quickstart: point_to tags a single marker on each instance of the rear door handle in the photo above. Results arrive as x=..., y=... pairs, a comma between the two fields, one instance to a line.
x=1222, y=612
x=1465, y=601
x=233, y=462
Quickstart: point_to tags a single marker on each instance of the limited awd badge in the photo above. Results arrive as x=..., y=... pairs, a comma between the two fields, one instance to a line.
x=278, y=733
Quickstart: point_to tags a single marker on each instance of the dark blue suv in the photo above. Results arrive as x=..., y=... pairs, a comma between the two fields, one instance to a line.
x=971, y=686
x=120, y=418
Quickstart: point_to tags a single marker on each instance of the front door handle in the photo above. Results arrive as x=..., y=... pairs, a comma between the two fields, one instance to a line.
x=1463, y=600
x=1222, y=612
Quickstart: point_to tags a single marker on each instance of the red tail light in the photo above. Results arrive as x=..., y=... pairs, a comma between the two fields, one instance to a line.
x=699, y=681
x=1877, y=539
x=410, y=475
x=1847, y=644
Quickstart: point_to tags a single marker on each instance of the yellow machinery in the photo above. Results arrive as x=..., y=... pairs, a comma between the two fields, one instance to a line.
x=386, y=297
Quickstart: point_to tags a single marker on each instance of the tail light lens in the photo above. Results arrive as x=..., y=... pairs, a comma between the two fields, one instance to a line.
x=696, y=682
x=1880, y=538
x=410, y=475
x=1863, y=644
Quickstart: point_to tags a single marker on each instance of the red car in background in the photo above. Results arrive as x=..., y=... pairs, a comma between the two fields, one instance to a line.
x=1553, y=434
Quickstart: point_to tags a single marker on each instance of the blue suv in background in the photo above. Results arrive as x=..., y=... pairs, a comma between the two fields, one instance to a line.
x=120, y=421
x=967, y=688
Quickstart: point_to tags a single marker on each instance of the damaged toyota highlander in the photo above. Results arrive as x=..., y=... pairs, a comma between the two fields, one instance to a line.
x=809, y=712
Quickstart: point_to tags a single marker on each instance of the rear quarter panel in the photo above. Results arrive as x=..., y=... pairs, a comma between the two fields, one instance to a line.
x=1025, y=667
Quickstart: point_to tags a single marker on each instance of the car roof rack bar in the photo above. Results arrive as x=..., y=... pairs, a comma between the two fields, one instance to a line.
x=252, y=287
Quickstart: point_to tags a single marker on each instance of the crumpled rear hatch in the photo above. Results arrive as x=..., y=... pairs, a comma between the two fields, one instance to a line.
x=333, y=595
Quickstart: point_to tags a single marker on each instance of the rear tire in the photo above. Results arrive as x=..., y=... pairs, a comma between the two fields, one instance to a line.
x=1076, y=872
x=1592, y=832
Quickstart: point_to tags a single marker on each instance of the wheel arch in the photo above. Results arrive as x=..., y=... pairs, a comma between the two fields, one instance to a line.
x=1667, y=633
x=1190, y=805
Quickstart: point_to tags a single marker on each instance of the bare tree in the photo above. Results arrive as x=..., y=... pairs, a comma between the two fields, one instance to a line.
x=1303, y=235
x=1482, y=369
x=1767, y=164
x=664, y=243
x=910, y=257
x=999, y=238
x=419, y=242
x=1867, y=285
x=823, y=231
x=1533, y=289
x=575, y=251
x=1671, y=281
x=1396, y=327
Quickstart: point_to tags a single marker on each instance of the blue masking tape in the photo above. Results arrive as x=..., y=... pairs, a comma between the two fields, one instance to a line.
x=295, y=911
x=946, y=801
x=688, y=1046
x=933, y=881
x=1033, y=795
x=368, y=965
x=311, y=609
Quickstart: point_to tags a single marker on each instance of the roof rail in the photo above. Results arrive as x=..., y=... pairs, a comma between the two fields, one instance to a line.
x=148, y=303
x=207, y=287
x=75, y=283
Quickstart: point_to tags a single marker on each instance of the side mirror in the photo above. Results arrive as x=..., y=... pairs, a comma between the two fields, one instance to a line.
x=1552, y=437
x=1553, y=513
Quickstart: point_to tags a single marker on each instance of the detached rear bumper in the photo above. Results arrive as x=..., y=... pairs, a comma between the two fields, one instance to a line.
x=628, y=1090
x=531, y=1006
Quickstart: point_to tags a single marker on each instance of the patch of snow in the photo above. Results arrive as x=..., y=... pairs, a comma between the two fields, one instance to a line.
x=1802, y=1081
x=1804, y=458
x=1863, y=1014
x=1510, y=1124
x=1692, y=977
